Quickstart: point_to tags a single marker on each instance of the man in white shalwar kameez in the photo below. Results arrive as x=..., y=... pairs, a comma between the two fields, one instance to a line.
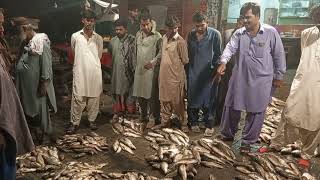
x=87, y=76
x=301, y=116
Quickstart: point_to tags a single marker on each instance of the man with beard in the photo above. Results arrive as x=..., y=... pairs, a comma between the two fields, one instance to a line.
x=300, y=120
x=123, y=51
x=172, y=74
x=259, y=69
x=204, y=48
x=34, y=82
x=145, y=86
x=87, y=75
x=15, y=138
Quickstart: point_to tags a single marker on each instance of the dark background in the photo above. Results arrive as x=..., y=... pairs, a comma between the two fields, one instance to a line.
x=59, y=23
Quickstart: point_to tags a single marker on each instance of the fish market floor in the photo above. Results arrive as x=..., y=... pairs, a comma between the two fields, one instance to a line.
x=124, y=161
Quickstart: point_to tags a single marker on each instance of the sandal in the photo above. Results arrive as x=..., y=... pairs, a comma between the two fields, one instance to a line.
x=208, y=132
x=245, y=148
x=223, y=138
x=93, y=126
x=195, y=129
x=185, y=129
x=72, y=129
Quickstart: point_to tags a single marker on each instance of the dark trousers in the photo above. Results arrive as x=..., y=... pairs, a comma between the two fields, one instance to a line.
x=222, y=90
x=213, y=105
x=153, y=104
x=154, y=101
x=193, y=117
x=8, y=159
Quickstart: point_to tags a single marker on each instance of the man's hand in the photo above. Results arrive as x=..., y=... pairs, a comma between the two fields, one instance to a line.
x=221, y=69
x=42, y=90
x=277, y=83
x=148, y=66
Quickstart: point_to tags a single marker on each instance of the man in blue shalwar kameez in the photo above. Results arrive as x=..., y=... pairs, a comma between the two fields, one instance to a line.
x=204, y=47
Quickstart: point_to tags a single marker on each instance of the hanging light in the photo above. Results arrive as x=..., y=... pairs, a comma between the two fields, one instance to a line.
x=55, y=5
x=87, y=4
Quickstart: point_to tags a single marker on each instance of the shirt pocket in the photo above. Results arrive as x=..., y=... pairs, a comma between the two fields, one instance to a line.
x=259, y=49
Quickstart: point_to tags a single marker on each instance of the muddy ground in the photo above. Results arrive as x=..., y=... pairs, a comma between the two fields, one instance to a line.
x=124, y=161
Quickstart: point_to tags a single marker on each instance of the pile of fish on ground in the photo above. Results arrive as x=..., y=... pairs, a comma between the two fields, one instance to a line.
x=272, y=119
x=292, y=149
x=77, y=171
x=131, y=175
x=125, y=144
x=268, y=166
x=43, y=158
x=82, y=144
x=128, y=128
x=176, y=156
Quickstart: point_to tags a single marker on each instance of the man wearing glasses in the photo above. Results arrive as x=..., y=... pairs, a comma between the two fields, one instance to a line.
x=258, y=70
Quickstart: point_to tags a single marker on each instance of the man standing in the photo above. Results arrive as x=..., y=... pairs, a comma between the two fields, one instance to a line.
x=172, y=74
x=34, y=82
x=300, y=119
x=204, y=47
x=123, y=49
x=145, y=86
x=5, y=50
x=223, y=84
x=133, y=21
x=15, y=138
x=259, y=68
x=87, y=75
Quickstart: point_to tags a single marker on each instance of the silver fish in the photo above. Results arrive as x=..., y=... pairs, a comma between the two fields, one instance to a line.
x=126, y=148
x=164, y=167
x=211, y=164
x=243, y=170
x=116, y=145
x=214, y=158
x=187, y=161
x=130, y=134
x=183, y=172
x=155, y=135
x=295, y=169
x=128, y=142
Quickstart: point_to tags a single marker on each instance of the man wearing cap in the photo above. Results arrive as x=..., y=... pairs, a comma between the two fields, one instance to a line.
x=15, y=138
x=87, y=75
x=34, y=82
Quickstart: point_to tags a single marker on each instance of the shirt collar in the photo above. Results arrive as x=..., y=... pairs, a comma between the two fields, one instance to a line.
x=261, y=29
x=175, y=37
x=82, y=32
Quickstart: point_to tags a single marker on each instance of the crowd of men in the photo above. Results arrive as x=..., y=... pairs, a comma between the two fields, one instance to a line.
x=158, y=73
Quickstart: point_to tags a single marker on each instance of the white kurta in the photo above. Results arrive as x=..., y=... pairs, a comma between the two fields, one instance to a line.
x=146, y=52
x=87, y=74
x=304, y=98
